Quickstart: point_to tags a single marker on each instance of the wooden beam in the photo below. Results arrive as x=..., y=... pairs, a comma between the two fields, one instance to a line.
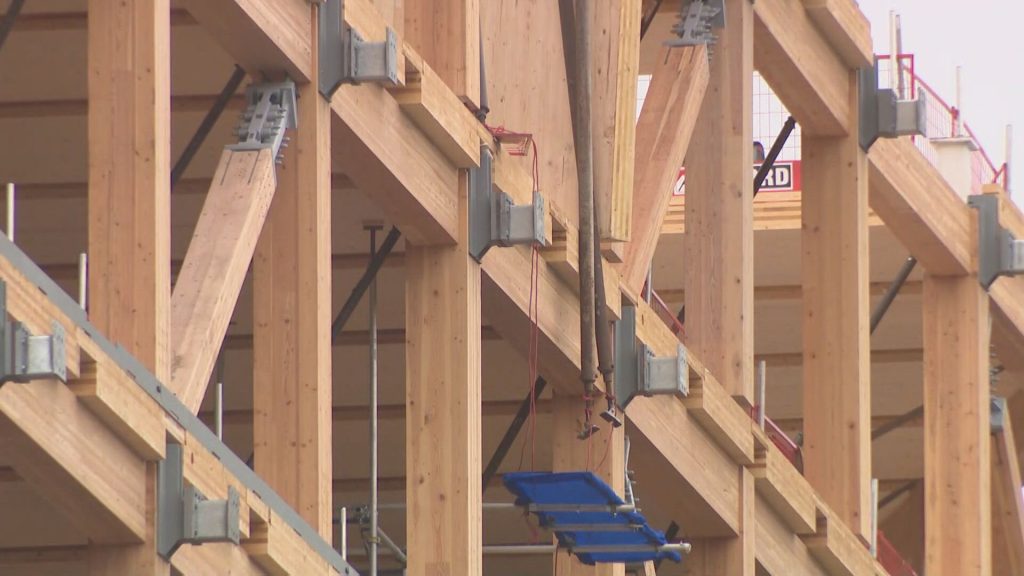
x=663, y=135
x=797, y=61
x=719, y=242
x=601, y=454
x=920, y=208
x=958, y=503
x=447, y=34
x=836, y=341
x=1007, y=502
x=616, y=62
x=780, y=552
x=215, y=266
x=731, y=555
x=70, y=457
x=292, y=322
x=846, y=28
x=443, y=424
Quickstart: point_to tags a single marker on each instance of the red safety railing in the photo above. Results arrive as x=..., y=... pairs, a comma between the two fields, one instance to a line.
x=943, y=121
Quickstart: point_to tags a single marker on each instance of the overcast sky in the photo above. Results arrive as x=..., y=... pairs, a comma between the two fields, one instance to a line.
x=985, y=38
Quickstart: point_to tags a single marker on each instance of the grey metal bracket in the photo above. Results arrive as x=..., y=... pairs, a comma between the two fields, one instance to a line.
x=269, y=112
x=346, y=58
x=1000, y=254
x=25, y=357
x=883, y=115
x=697, y=21
x=639, y=372
x=493, y=218
x=997, y=413
x=185, y=515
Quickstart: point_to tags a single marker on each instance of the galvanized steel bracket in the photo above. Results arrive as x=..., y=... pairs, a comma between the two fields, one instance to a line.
x=883, y=114
x=997, y=414
x=697, y=21
x=185, y=515
x=1000, y=254
x=25, y=357
x=346, y=58
x=639, y=372
x=270, y=111
x=493, y=218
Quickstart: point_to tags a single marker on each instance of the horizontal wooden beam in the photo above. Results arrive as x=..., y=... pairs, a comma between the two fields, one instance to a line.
x=60, y=21
x=846, y=28
x=79, y=107
x=781, y=293
x=795, y=58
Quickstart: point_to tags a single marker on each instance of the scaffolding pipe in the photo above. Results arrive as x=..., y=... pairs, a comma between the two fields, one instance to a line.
x=219, y=413
x=897, y=422
x=83, y=280
x=7, y=23
x=762, y=369
x=209, y=121
x=376, y=262
x=513, y=431
x=893, y=51
x=395, y=549
x=10, y=211
x=343, y=515
x=773, y=154
x=891, y=292
x=585, y=177
x=374, y=528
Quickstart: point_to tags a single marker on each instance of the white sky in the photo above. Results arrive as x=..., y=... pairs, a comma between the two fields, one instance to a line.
x=985, y=37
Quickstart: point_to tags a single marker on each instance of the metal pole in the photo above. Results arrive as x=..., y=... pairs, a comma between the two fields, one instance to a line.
x=874, y=517
x=369, y=274
x=1009, y=157
x=893, y=52
x=773, y=154
x=219, y=423
x=10, y=211
x=519, y=550
x=374, y=528
x=897, y=422
x=7, y=23
x=343, y=517
x=209, y=121
x=959, y=104
x=513, y=431
x=83, y=279
x=901, y=85
x=762, y=369
x=891, y=292
x=396, y=551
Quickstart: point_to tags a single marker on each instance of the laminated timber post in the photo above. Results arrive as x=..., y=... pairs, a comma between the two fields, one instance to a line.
x=292, y=318
x=957, y=447
x=443, y=406
x=446, y=33
x=129, y=212
x=836, y=341
x=602, y=453
x=719, y=248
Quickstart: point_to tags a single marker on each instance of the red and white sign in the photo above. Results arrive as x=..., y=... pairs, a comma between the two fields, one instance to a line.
x=783, y=177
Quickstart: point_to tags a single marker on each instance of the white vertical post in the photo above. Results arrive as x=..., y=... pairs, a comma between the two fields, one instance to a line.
x=220, y=410
x=901, y=85
x=893, y=52
x=83, y=279
x=762, y=368
x=343, y=524
x=959, y=104
x=874, y=517
x=10, y=211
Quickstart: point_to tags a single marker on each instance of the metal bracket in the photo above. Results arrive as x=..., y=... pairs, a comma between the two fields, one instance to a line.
x=270, y=111
x=697, y=20
x=997, y=413
x=1000, y=254
x=493, y=219
x=185, y=515
x=24, y=357
x=345, y=58
x=639, y=372
x=882, y=115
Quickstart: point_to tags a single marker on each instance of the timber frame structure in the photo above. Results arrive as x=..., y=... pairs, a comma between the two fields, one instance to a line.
x=235, y=271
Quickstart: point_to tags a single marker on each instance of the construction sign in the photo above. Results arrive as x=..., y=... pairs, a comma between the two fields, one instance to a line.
x=783, y=177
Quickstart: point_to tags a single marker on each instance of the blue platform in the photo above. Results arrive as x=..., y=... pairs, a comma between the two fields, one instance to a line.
x=588, y=517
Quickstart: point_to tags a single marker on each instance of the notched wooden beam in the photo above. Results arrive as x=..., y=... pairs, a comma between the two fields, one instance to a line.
x=846, y=28
x=782, y=486
x=836, y=547
x=721, y=416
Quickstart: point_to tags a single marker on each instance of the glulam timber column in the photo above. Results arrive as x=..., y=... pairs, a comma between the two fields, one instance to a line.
x=957, y=448
x=292, y=320
x=836, y=311
x=129, y=210
x=570, y=454
x=719, y=252
x=443, y=419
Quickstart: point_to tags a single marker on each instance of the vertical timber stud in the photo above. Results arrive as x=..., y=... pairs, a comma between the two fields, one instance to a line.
x=719, y=245
x=292, y=320
x=443, y=420
x=446, y=33
x=570, y=454
x=719, y=236
x=957, y=448
x=129, y=210
x=836, y=341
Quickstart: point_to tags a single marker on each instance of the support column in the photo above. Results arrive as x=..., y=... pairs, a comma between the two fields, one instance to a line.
x=836, y=335
x=570, y=454
x=443, y=420
x=719, y=237
x=129, y=210
x=292, y=321
x=957, y=447
x=719, y=255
